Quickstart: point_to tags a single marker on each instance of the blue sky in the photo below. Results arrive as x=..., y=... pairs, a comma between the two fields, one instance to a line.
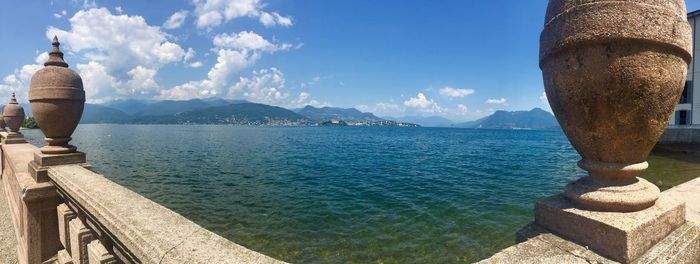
x=457, y=59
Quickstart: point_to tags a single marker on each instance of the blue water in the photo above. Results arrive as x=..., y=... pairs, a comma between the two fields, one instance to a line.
x=340, y=194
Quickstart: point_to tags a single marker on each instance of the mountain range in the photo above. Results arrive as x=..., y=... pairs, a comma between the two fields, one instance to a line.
x=222, y=111
x=533, y=119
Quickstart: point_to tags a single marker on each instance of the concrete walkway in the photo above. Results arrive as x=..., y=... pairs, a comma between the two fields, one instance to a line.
x=8, y=242
x=690, y=193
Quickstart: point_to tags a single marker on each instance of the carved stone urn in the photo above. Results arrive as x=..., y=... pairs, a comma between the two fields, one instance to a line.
x=613, y=72
x=13, y=115
x=57, y=99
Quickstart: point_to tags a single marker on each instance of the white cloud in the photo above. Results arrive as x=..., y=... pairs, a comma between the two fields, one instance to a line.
x=212, y=13
x=383, y=109
x=235, y=52
x=265, y=86
x=462, y=108
x=119, y=9
x=119, y=42
x=272, y=19
x=19, y=80
x=142, y=81
x=41, y=58
x=303, y=100
x=189, y=54
x=455, y=92
x=247, y=40
x=196, y=64
x=543, y=98
x=176, y=20
x=123, y=53
x=422, y=104
x=313, y=81
x=502, y=101
x=87, y=4
x=420, y=101
x=100, y=86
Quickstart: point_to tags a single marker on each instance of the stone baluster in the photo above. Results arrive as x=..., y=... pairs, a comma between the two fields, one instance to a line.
x=613, y=71
x=80, y=237
x=57, y=99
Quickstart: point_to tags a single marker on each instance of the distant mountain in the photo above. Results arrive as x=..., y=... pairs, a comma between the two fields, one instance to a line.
x=96, y=114
x=167, y=107
x=533, y=119
x=222, y=111
x=238, y=113
x=339, y=114
x=429, y=121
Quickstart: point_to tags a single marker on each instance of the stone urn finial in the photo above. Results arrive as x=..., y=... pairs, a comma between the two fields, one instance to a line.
x=13, y=115
x=57, y=99
x=613, y=72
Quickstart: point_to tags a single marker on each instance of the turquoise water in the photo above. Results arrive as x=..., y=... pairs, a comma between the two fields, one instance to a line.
x=340, y=194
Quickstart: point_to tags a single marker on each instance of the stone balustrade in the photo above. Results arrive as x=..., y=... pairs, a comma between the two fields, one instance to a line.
x=70, y=214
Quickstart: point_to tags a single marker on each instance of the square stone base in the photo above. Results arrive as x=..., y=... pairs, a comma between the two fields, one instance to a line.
x=17, y=138
x=622, y=237
x=37, y=167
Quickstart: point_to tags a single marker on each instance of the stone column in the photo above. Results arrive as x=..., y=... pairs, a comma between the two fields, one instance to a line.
x=613, y=71
x=57, y=99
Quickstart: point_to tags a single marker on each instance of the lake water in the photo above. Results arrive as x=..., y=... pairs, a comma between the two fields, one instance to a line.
x=347, y=194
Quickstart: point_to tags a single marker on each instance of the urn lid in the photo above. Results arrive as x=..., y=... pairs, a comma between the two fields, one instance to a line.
x=55, y=73
x=13, y=108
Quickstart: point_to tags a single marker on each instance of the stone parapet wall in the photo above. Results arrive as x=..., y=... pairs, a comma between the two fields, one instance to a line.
x=74, y=215
x=680, y=135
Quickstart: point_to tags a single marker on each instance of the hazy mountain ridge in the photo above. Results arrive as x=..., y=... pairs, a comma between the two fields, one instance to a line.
x=425, y=121
x=167, y=107
x=533, y=119
x=338, y=114
x=221, y=111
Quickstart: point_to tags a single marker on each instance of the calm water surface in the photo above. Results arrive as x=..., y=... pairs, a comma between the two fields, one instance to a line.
x=345, y=194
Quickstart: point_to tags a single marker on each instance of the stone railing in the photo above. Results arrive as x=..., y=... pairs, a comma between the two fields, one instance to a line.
x=70, y=214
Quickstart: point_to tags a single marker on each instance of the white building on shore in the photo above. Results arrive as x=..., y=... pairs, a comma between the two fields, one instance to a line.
x=688, y=108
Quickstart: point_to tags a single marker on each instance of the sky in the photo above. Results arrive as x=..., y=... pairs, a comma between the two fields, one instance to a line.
x=461, y=60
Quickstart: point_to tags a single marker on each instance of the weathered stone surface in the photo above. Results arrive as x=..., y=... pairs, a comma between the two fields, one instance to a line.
x=80, y=237
x=63, y=257
x=8, y=241
x=613, y=71
x=13, y=114
x=57, y=99
x=98, y=254
x=148, y=231
x=59, y=159
x=620, y=236
x=690, y=193
x=14, y=138
x=682, y=246
x=32, y=206
x=545, y=248
x=65, y=215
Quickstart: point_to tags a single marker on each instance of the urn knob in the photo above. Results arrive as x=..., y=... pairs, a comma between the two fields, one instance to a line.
x=13, y=115
x=613, y=71
x=57, y=98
